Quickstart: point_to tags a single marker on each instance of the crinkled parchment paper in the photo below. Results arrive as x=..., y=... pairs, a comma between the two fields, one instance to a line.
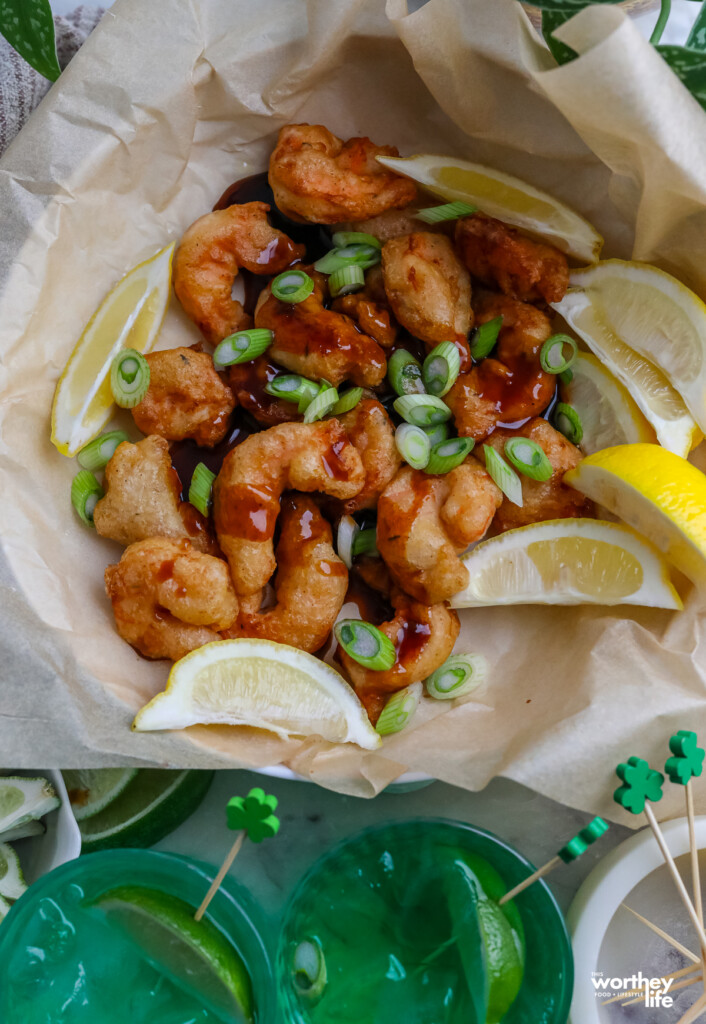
x=168, y=103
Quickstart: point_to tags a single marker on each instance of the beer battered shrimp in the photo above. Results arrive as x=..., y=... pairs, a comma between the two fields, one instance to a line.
x=246, y=494
x=310, y=583
x=315, y=176
x=511, y=385
x=168, y=599
x=429, y=289
x=209, y=256
x=425, y=522
x=372, y=432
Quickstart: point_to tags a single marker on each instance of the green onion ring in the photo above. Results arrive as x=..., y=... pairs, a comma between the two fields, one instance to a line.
x=346, y=280
x=483, y=338
x=413, y=445
x=568, y=422
x=348, y=400
x=365, y=644
x=449, y=211
x=363, y=256
x=551, y=354
x=292, y=286
x=529, y=458
x=422, y=410
x=242, y=347
x=399, y=709
x=129, y=378
x=322, y=405
x=98, y=452
x=86, y=492
x=447, y=455
x=405, y=373
x=290, y=387
x=459, y=675
x=200, y=488
x=504, y=476
x=341, y=239
x=441, y=368
x=365, y=543
x=345, y=538
x=437, y=433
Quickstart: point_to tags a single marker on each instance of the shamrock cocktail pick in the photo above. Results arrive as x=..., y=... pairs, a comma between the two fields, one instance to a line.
x=253, y=818
x=573, y=849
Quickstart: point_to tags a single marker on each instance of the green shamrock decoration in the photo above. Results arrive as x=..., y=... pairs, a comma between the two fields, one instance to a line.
x=640, y=783
x=687, y=761
x=254, y=814
x=583, y=839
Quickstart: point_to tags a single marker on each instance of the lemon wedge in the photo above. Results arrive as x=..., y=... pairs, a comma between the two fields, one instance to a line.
x=659, y=402
x=567, y=561
x=504, y=196
x=608, y=413
x=261, y=684
x=129, y=317
x=659, y=494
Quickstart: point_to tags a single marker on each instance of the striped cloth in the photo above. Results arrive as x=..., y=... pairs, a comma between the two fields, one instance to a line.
x=21, y=88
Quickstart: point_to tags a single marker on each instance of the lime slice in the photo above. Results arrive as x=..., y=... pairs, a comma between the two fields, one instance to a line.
x=23, y=800
x=194, y=955
x=129, y=317
x=4, y=907
x=152, y=805
x=262, y=684
x=12, y=883
x=92, y=789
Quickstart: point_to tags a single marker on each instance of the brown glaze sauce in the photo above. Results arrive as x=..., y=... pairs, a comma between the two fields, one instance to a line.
x=165, y=571
x=372, y=606
x=186, y=455
x=412, y=635
x=248, y=382
x=248, y=512
x=333, y=463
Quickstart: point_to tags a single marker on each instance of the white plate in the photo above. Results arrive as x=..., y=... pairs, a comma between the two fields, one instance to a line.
x=62, y=840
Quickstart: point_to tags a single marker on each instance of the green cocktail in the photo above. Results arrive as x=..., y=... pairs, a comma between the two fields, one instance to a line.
x=111, y=939
x=402, y=923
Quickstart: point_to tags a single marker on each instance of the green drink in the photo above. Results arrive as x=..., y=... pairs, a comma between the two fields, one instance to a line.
x=111, y=939
x=402, y=923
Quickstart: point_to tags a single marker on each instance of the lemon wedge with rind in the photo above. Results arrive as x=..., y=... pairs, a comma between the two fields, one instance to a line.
x=130, y=316
x=659, y=402
x=503, y=196
x=261, y=684
x=567, y=561
x=660, y=495
x=608, y=413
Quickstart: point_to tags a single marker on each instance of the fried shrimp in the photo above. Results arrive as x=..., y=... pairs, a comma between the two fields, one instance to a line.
x=511, y=385
x=429, y=289
x=296, y=456
x=315, y=176
x=425, y=522
x=142, y=498
x=394, y=223
x=317, y=342
x=498, y=255
x=310, y=583
x=168, y=599
x=423, y=636
x=372, y=432
x=373, y=318
x=209, y=256
x=547, y=499
x=185, y=398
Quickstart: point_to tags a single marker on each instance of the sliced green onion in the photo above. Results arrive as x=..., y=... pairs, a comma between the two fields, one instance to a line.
x=346, y=280
x=413, y=445
x=363, y=256
x=529, y=457
x=441, y=368
x=290, y=387
x=200, y=488
x=484, y=337
x=129, y=378
x=568, y=422
x=551, y=354
x=309, y=969
x=341, y=239
x=449, y=211
x=98, y=453
x=437, y=433
x=242, y=347
x=322, y=404
x=366, y=644
x=292, y=286
x=405, y=373
x=365, y=543
x=345, y=537
x=399, y=710
x=459, y=675
x=566, y=376
x=347, y=401
x=422, y=410
x=446, y=455
x=86, y=492
x=504, y=476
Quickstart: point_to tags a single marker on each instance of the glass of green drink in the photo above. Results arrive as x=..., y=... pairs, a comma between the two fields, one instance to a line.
x=401, y=923
x=111, y=939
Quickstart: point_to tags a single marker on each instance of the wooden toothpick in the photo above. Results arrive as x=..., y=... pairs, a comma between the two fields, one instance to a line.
x=664, y=935
x=216, y=883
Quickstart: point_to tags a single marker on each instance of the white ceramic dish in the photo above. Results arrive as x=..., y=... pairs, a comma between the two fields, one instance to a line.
x=62, y=840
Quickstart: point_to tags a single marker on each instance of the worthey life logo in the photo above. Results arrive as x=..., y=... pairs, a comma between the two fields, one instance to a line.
x=654, y=991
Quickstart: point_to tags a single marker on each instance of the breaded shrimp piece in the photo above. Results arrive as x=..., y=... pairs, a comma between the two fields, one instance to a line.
x=395, y=223
x=429, y=289
x=317, y=342
x=310, y=583
x=498, y=255
x=185, y=398
x=142, y=498
x=168, y=599
x=316, y=176
x=208, y=259
x=248, y=381
x=425, y=522
x=372, y=432
x=373, y=318
x=549, y=499
x=511, y=385
x=423, y=636
x=294, y=456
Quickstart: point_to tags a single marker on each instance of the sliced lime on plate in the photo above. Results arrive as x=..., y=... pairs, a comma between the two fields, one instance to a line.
x=92, y=789
x=12, y=883
x=23, y=800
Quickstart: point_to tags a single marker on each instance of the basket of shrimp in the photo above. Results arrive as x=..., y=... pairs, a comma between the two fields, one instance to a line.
x=352, y=395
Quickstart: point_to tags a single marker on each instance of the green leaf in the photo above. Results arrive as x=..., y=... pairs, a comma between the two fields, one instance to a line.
x=697, y=37
x=690, y=67
x=28, y=25
x=551, y=20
